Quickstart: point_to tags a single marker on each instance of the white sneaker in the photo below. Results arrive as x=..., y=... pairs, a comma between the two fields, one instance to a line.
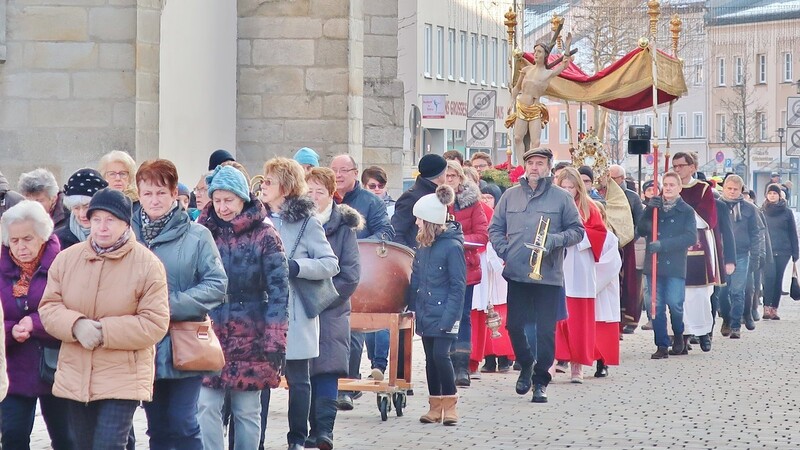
x=376, y=374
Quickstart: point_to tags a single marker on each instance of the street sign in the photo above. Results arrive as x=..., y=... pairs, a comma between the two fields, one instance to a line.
x=650, y=159
x=481, y=103
x=728, y=164
x=720, y=157
x=793, y=142
x=793, y=112
x=480, y=133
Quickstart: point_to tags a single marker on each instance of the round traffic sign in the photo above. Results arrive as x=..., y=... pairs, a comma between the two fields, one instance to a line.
x=479, y=130
x=720, y=157
x=481, y=101
x=650, y=159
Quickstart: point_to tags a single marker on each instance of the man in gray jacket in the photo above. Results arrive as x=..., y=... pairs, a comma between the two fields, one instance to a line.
x=530, y=301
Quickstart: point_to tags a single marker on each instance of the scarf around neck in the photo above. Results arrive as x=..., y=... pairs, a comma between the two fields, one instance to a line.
x=325, y=216
x=152, y=228
x=669, y=204
x=75, y=227
x=26, y=271
x=115, y=246
x=735, y=206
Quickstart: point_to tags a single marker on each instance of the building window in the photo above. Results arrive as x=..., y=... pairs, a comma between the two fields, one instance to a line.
x=787, y=67
x=720, y=71
x=762, y=126
x=545, y=137
x=698, y=125
x=428, y=50
x=462, y=75
x=739, y=71
x=722, y=132
x=650, y=121
x=563, y=130
x=664, y=125
x=582, y=119
x=738, y=120
x=681, y=125
x=698, y=72
x=451, y=43
x=762, y=68
x=473, y=38
x=493, y=58
x=440, y=53
x=504, y=63
x=484, y=59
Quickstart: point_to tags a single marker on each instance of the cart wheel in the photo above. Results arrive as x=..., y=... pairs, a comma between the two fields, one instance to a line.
x=399, y=401
x=383, y=407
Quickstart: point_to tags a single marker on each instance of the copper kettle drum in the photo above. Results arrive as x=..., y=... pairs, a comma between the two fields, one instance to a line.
x=385, y=277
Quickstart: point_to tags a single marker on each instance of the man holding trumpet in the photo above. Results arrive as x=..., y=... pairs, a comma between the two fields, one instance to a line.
x=545, y=218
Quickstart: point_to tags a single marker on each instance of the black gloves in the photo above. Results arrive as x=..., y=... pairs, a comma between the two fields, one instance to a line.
x=294, y=268
x=654, y=247
x=655, y=202
x=549, y=243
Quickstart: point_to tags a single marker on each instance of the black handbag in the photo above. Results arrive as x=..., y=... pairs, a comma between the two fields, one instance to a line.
x=794, y=291
x=316, y=295
x=48, y=364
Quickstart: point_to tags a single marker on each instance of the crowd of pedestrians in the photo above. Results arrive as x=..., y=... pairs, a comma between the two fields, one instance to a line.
x=98, y=275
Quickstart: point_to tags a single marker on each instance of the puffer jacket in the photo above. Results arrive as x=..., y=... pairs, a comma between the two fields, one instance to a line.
x=317, y=262
x=468, y=212
x=438, y=282
x=196, y=279
x=334, y=322
x=252, y=324
x=403, y=220
x=514, y=224
x=782, y=229
x=24, y=358
x=126, y=291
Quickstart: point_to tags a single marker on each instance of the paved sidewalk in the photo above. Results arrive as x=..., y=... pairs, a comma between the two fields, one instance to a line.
x=743, y=394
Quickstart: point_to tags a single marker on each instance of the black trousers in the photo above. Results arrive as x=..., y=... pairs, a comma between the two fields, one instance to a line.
x=531, y=304
x=438, y=366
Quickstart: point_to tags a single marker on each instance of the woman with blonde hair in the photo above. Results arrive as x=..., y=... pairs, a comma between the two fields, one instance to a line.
x=119, y=170
x=575, y=336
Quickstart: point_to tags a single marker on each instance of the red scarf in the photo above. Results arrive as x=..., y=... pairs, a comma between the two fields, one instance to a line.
x=595, y=230
x=26, y=271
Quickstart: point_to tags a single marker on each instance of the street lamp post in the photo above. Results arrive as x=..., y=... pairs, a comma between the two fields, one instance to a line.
x=781, y=134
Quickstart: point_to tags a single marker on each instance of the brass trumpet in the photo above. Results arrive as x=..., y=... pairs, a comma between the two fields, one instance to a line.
x=537, y=248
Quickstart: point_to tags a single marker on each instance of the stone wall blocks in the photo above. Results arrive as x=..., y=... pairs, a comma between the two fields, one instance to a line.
x=248, y=106
x=292, y=106
x=271, y=80
x=60, y=55
x=383, y=136
x=383, y=88
x=383, y=25
x=329, y=8
x=335, y=106
x=13, y=114
x=147, y=86
x=126, y=56
x=273, y=8
x=372, y=67
x=124, y=114
x=148, y=25
x=112, y=24
x=279, y=28
x=377, y=45
x=328, y=81
x=317, y=131
x=380, y=7
x=283, y=52
x=331, y=52
x=338, y=28
x=118, y=84
x=71, y=113
x=44, y=85
x=49, y=23
x=244, y=56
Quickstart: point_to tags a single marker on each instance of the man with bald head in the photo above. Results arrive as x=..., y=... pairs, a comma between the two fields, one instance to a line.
x=630, y=298
x=365, y=202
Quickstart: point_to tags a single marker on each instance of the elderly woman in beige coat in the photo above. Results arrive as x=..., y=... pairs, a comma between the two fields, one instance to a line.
x=106, y=300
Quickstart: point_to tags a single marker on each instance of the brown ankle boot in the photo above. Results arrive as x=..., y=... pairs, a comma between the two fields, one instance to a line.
x=434, y=415
x=449, y=407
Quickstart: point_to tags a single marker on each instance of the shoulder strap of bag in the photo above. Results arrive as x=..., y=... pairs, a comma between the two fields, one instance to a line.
x=299, y=235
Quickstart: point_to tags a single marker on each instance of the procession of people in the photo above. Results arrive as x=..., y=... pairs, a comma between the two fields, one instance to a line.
x=98, y=278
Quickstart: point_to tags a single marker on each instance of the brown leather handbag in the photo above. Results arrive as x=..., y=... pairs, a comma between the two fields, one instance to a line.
x=195, y=346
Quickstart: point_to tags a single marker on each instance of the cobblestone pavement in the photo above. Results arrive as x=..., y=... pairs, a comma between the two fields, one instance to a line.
x=743, y=394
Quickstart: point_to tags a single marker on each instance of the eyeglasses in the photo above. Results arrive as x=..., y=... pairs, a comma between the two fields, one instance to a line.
x=480, y=166
x=376, y=185
x=269, y=182
x=450, y=176
x=200, y=191
x=120, y=174
x=343, y=171
x=679, y=166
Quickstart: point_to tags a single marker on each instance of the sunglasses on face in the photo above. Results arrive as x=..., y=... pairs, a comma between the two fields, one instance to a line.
x=376, y=185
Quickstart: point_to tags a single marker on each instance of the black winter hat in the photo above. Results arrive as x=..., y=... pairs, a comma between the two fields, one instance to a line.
x=219, y=157
x=774, y=188
x=431, y=165
x=586, y=170
x=114, y=202
x=85, y=182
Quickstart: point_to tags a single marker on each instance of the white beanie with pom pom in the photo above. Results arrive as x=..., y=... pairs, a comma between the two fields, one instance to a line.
x=433, y=207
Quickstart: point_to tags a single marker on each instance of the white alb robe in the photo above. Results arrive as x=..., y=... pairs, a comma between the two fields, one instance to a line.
x=606, y=307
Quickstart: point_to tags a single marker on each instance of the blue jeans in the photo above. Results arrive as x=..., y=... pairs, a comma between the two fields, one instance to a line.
x=101, y=424
x=299, y=381
x=377, y=349
x=18, y=412
x=731, y=296
x=670, y=291
x=245, y=415
x=172, y=415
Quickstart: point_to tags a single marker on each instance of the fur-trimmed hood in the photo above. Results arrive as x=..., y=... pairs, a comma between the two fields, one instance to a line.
x=295, y=209
x=468, y=194
x=343, y=215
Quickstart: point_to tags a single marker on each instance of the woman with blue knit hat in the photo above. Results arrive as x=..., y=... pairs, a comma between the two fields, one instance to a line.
x=253, y=322
x=307, y=158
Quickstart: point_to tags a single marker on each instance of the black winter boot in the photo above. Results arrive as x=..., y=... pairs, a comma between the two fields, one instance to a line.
x=525, y=380
x=461, y=367
x=678, y=346
x=311, y=440
x=325, y=411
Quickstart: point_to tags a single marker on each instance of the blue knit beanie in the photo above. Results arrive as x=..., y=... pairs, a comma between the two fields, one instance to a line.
x=307, y=156
x=184, y=190
x=230, y=179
